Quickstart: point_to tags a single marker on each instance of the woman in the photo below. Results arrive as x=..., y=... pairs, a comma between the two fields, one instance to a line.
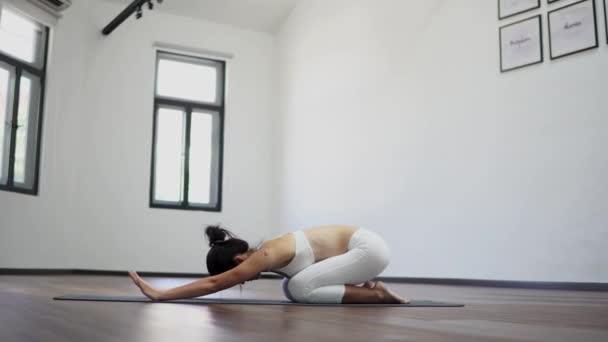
x=323, y=265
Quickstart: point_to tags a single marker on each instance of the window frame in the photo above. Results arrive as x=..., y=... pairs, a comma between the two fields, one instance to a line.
x=21, y=66
x=189, y=106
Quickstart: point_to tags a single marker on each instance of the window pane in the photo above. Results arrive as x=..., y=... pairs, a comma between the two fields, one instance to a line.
x=21, y=37
x=6, y=113
x=189, y=81
x=27, y=137
x=169, y=163
x=201, y=166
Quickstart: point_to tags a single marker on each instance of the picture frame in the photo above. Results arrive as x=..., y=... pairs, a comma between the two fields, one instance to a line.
x=606, y=18
x=573, y=29
x=510, y=8
x=521, y=44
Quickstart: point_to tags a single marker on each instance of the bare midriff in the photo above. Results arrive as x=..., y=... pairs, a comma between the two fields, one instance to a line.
x=329, y=241
x=325, y=241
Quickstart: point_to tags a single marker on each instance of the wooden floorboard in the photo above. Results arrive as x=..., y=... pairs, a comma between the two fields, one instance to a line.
x=28, y=313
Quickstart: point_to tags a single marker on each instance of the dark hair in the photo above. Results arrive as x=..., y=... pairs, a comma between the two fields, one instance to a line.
x=224, y=247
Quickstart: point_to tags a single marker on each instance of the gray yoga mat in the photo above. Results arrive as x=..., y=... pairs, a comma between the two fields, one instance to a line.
x=206, y=301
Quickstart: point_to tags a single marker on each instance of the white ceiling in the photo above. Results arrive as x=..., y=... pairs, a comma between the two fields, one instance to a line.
x=258, y=15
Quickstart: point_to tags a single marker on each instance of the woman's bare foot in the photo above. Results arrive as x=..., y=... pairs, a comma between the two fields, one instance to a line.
x=390, y=296
x=369, y=284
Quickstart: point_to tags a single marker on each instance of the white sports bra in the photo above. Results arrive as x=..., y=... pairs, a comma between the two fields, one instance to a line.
x=304, y=256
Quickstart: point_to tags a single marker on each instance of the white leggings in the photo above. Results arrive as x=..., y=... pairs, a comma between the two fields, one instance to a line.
x=323, y=282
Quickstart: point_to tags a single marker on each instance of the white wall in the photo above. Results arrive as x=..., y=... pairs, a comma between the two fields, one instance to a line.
x=394, y=116
x=92, y=211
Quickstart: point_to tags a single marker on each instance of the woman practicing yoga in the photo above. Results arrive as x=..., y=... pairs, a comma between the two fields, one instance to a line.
x=322, y=265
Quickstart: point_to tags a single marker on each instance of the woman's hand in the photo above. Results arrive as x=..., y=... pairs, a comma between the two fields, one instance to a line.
x=147, y=289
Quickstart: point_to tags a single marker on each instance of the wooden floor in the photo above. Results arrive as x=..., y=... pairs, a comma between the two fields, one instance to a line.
x=27, y=313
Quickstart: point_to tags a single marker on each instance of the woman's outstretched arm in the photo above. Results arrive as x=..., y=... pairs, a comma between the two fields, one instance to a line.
x=248, y=270
x=198, y=288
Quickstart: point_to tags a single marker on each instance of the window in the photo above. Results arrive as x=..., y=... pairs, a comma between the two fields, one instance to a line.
x=23, y=51
x=188, y=133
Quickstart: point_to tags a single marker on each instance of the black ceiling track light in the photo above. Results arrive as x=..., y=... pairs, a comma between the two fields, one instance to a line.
x=135, y=7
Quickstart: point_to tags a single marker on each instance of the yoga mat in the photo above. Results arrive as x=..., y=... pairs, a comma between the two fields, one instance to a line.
x=207, y=301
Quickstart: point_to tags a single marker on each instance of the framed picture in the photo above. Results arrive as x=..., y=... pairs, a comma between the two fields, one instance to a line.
x=509, y=8
x=573, y=29
x=606, y=18
x=521, y=44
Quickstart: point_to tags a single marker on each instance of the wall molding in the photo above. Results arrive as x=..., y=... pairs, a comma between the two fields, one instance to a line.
x=511, y=284
x=538, y=285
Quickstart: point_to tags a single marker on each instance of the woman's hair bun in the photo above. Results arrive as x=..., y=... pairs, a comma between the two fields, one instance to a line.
x=217, y=234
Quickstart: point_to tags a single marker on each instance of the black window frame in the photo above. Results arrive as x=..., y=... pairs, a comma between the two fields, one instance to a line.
x=188, y=107
x=21, y=66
